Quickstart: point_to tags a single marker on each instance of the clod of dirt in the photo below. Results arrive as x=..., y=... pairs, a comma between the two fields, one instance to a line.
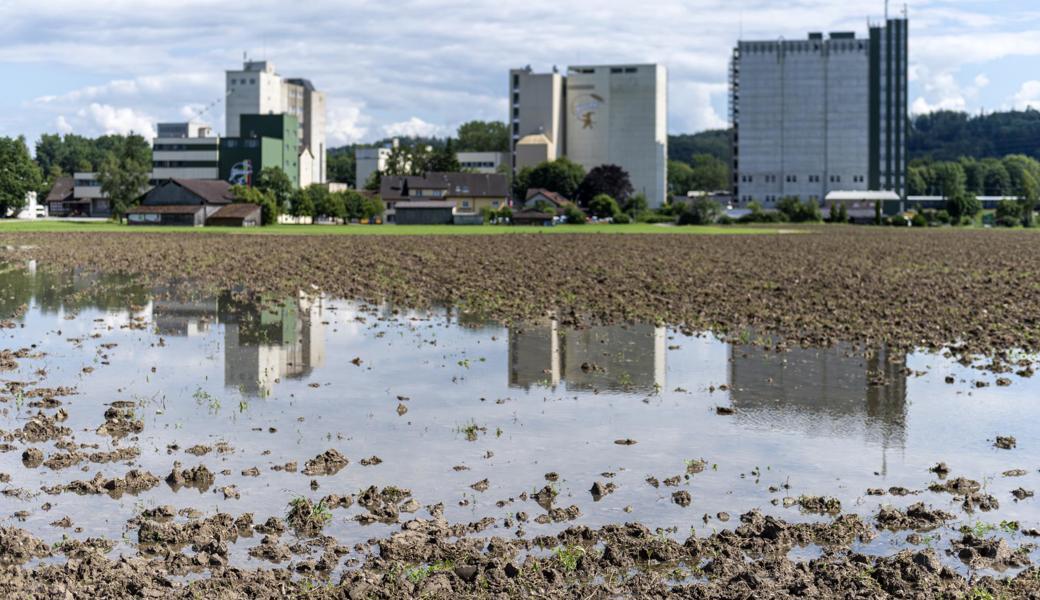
x=230, y=492
x=819, y=504
x=41, y=428
x=199, y=449
x=329, y=462
x=545, y=497
x=120, y=421
x=626, y=442
x=1015, y=473
x=198, y=477
x=1005, y=442
x=32, y=458
x=979, y=552
x=1022, y=494
x=271, y=549
x=62, y=460
x=306, y=518
x=251, y=472
x=17, y=547
x=481, y=486
x=371, y=461
x=134, y=482
x=601, y=489
x=381, y=504
x=682, y=498
x=958, y=486
x=941, y=470
x=916, y=517
x=724, y=410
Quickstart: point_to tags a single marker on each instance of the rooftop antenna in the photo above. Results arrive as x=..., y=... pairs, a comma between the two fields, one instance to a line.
x=886, y=11
x=740, y=31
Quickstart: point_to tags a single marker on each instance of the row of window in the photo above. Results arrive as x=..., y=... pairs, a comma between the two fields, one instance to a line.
x=246, y=143
x=173, y=164
x=185, y=147
x=794, y=178
x=478, y=165
x=243, y=81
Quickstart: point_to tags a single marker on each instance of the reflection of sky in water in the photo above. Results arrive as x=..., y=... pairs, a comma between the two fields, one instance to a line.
x=551, y=399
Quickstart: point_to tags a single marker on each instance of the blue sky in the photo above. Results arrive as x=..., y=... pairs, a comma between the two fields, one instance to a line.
x=424, y=66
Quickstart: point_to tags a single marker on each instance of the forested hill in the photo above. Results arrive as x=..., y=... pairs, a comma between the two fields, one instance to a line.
x=948, y=135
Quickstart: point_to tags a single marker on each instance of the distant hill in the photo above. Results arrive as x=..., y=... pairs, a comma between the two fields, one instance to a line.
x=716, y=142
x=949, y=135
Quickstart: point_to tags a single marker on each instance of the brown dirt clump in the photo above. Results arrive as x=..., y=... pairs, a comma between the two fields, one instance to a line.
x=697, y=282
x=917, y=517
x=134, y=482
x=329, y=462
x=120, y=421
x=198, y=477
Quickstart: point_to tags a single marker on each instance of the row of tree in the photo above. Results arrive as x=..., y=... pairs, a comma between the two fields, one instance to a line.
x=419, y=155
x=273, y=192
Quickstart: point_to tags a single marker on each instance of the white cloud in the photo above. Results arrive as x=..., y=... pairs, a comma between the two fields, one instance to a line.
x=416, y=127
x=63, y=125
x=113, y=120
x=345, y=123
x=942, y=91
x=1028, y=96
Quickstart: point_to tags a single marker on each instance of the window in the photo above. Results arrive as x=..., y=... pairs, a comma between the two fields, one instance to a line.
x=252, y=81
x=516, y=97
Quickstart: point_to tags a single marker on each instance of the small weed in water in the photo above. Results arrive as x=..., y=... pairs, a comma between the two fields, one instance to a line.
x=569, y=556
x=417, y=574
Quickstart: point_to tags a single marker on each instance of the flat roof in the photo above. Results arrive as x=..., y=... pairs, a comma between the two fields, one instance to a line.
x=863, y=195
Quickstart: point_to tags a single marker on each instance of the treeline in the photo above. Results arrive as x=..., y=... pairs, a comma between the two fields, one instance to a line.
x=950, y=135
x=1012, y=175
x=474, y=136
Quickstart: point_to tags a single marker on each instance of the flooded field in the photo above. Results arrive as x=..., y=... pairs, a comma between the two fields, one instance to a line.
x=121, y=401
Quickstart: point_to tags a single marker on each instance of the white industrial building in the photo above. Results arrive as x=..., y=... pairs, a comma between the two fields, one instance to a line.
x=817, y=115
x=258, y=90
x=480, y=162
x=185, y=151
x=596, y=115
x=368, y=161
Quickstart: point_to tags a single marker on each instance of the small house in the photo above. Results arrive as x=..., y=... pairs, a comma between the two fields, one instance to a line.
x=236, y=215
x=425, y=212
x=186, y=202
x=531, y=217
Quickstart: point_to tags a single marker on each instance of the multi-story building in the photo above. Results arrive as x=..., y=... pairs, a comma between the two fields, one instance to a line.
x=257, y=89
x=185, y=151
x=537, y=117
x=596, y=115
x=368, y=161
x=264, y=141
x=480, y=162
x=819, y=115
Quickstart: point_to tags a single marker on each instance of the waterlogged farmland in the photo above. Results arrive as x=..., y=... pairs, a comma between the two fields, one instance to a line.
x=298, y=444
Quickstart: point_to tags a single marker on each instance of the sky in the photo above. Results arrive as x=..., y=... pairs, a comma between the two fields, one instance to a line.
x=422, y=67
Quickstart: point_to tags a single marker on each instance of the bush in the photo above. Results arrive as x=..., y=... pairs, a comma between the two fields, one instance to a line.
x=621, y=219
x=649, y=216
x=1008, y=210
x=603, y=206
x=962, y=205
x=574, y=215
x=1008, y=221
x=725, y=220
x=701, y=212
x=942, y=216
x=919, y=220
x=800, y=212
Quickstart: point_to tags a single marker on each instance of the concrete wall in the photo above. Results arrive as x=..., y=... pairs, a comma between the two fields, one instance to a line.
x=536, y=106
x=618, y=114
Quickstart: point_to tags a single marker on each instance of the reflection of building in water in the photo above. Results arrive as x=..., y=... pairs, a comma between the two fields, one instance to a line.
x=175, y=317
x=534, y=355
x=262, y=345
x=626, y=358
x=822, y=392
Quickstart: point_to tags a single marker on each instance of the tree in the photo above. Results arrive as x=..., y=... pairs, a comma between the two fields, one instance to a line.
x=483, y=136
x=275, y=181
x=374, y=181
x=373, y=207
x=961, y=204
x=443, y=160
x=680, y=178
x=916, y=185
x=610, y=180
x=799, y=212
x=635, y=204
x=341, y=166
x=264, y=199
x=700, y=212
x=302, y=204
x=574, y=215
x=561, y=176
x=603, y=206
x=326, y=204
x=716, y=142
x=19, y=175
x=709, y=173
x=123, y=177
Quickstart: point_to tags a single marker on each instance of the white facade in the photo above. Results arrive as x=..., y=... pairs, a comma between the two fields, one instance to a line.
x=185, y=151
x=536, y=109
x=368, y=161
x=258, y=90
x=595, y=116
x=618, y=115
x=480, y=162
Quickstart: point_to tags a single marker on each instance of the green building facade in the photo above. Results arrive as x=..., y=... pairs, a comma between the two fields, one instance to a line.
x=266, y=141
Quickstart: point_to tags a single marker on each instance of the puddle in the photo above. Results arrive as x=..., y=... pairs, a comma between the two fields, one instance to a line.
x=446, y=402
